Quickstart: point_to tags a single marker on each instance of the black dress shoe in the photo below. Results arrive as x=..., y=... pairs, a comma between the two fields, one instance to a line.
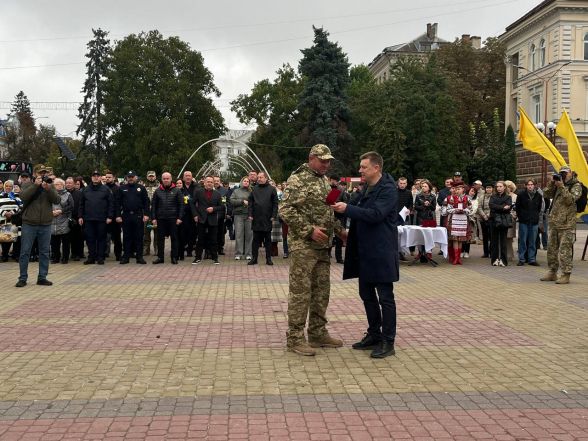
x=100, y=262
x=269, y=262
x=384, y=349
x=89, y=262
x=64, y=261
x=174, y=261
x=158, y=261
x=44, y=282
x=141, y=261
x=221, y=252
x=521, y=263
x=182, y=257
x=20, y=284
x=534, y=263
x=367, y=342
x=252, y=262
x=124, y=261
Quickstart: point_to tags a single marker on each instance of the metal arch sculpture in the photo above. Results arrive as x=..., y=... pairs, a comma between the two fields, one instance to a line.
x=222, y=139
x=242, y=159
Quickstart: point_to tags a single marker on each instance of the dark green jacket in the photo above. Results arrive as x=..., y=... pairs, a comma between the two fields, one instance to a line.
x=38, y=210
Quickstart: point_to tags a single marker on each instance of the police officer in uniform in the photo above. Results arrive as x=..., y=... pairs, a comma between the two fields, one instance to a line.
x=134, y=209
x=311, y=225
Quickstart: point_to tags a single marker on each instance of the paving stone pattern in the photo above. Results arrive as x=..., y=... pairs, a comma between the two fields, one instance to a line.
x=197, y=352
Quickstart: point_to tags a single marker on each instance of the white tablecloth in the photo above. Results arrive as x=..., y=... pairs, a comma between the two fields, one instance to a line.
x=412, y=235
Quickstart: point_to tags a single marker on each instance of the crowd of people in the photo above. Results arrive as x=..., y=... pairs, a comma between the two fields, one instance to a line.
x=121, y=218
x=310, y=214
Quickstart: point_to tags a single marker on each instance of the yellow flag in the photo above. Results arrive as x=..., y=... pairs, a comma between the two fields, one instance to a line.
x=575, y=154
x=535, y=141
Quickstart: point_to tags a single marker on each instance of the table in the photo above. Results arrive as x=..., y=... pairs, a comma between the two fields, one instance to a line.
x=412, y=235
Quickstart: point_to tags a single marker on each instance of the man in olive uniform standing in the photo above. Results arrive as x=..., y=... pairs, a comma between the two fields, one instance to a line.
x=311, y=225
x=565, y=190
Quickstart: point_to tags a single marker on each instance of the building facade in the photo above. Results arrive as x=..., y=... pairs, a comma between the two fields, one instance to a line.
x=421, y=47
x=547, y=71
x=230, y=150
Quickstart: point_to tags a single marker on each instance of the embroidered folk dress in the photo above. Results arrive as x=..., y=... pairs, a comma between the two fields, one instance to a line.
x=458, y=210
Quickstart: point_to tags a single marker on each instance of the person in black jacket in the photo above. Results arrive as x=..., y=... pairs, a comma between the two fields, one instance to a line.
x=221, y=231
x=442, y=196
x=167, y=210
x=113, y=230
x=263, y=209
x=206, y=208
x=343, y=197
x=528, y=208
x=372, y=254
x=404, y=198
x=76, y=236
x=133, y=206
x=500, y=208
x=187, y=230
x=96, y=212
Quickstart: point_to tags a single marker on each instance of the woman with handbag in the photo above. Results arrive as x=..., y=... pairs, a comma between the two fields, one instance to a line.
x=500, y=221
x=62, y=215
x=10, y=207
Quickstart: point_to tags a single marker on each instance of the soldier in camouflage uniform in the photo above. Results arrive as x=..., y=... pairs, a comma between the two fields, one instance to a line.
x=562, y=225
x=311, y=224
x=150, y=184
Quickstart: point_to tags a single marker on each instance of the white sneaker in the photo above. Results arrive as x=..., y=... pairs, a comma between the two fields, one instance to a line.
x=495, y=263
x=501, y=263
x=248, y=257
x=466, y=255
x=462, y=254
x=237, y=257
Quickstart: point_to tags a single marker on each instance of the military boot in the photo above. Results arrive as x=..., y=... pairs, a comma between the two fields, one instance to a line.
x=326, y=341
x=302, y=348
x=550, y=276
x=564, y=279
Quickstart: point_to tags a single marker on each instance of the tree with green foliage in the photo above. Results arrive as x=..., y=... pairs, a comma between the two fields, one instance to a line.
x=323, y=102
x=273, y=107
x=92, y=128
x=20, y=136
x=158, y=105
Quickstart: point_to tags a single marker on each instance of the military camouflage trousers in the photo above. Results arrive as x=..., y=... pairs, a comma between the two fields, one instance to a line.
x=310, y=287
x=560, y=250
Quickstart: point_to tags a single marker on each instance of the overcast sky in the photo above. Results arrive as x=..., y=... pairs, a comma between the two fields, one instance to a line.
x=242, y=41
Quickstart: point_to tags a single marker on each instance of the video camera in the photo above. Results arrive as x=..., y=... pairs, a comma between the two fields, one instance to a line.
x=47, y=180
x=560, y=176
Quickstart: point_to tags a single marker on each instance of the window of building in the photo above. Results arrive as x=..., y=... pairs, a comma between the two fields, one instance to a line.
x=536, y=107
x=533, y=57
x=542, y=53
x=514, y=61
x=586, y=46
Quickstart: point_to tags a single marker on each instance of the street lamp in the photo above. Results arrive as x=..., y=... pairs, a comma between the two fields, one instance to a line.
x=547, y=127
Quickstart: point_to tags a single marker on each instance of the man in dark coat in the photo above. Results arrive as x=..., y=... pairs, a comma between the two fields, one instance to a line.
x=96, y=213
x=205, y=209
x=187, y=230
x=263, y=209
x=372, y=253
x=114, y=230
x=76, y=236
x=528, y=209
x=167, y=210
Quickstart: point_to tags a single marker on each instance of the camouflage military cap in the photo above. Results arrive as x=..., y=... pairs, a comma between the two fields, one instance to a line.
x=40, y=168
x=321, y=151
x=565, y=169
x=151, y=173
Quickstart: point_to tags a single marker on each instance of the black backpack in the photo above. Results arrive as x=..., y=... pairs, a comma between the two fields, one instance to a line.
x=582, y=200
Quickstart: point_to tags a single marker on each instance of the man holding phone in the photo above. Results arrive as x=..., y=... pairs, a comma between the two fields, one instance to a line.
x=37, y=216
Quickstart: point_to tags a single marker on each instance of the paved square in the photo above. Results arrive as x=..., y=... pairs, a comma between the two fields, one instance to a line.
x=197, y=352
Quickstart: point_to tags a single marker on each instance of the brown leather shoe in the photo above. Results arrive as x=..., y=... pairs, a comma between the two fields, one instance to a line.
x=325, y=341
x=564, y=279
x=550, y=276
x=302, y=348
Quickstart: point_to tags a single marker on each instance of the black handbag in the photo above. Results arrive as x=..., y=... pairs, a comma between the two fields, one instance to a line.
x=503, y=220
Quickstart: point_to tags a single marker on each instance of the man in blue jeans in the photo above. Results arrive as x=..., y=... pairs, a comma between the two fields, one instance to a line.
x=528, y=208
x=37, y=216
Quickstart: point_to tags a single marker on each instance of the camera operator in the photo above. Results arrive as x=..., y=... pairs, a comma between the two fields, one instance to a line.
x=565, y=190
x=37, y=217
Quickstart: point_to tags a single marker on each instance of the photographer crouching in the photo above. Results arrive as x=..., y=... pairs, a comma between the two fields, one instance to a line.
x=37, y=216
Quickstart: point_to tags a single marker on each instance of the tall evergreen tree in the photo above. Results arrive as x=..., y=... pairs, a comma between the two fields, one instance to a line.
x=20, y=137
x=91, y=112
x=323, y=102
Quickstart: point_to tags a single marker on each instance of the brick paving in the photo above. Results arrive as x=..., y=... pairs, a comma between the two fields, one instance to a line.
x=197, y=352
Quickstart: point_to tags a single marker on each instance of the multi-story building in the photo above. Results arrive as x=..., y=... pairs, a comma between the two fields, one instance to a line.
x=421, y=47
x=230, y=149
x=547, y=71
